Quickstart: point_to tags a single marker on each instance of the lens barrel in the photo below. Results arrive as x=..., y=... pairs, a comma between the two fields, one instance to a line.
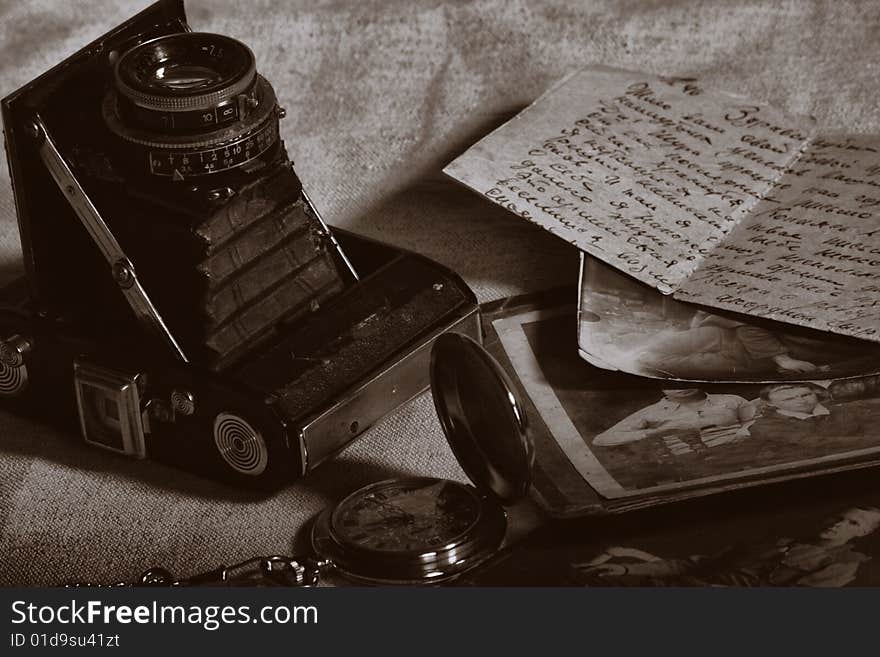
x=191, y=104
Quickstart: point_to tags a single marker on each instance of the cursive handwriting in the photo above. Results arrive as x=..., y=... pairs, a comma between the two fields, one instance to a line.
x=647, y=174
x=820, y=246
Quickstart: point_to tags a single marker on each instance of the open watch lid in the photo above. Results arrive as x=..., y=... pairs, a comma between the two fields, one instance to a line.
x=482, y=417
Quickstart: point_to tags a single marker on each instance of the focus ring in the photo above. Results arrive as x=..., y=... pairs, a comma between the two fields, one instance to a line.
x=266, y=110
x=183, y=104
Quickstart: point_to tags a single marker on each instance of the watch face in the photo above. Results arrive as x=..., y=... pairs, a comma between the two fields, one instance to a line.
x=407, y=516
x=409, y=531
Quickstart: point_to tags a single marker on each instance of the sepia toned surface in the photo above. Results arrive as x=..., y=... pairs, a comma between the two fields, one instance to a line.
x=380, y=97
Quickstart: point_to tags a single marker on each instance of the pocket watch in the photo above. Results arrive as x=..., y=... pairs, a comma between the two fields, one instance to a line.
x=419, y=530
x=431, y=530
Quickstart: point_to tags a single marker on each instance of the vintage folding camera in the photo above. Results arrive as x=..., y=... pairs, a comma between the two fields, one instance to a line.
x=183, y=299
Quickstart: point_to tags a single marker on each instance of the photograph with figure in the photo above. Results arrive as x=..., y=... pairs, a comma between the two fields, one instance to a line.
x=629, y=435
x=628, y=326
x=807, y=541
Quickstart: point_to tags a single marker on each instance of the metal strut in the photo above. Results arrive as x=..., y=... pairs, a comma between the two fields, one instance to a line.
x=121, y=267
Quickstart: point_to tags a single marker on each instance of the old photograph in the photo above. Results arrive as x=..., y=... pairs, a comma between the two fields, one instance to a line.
x=639, y=436
x=634, y=328
x=829, y=554
x=806, y=540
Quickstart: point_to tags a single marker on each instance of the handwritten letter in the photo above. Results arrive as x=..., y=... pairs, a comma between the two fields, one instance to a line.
x=648, y=174
x=809, y=252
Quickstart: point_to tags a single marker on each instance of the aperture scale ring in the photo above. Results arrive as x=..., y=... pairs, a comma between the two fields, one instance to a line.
x=223, y=157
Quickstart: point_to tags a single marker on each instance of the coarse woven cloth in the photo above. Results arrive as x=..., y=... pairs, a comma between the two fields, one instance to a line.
x=380, y=95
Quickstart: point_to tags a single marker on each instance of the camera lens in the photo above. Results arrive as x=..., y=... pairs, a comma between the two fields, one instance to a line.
x=195, y=101
x=182, y=77
x=189, y=72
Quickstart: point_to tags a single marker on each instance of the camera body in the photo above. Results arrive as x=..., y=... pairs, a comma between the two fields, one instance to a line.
x=183, y=298
x=208, y=210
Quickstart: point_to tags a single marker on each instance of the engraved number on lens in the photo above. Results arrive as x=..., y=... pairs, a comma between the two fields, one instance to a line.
x=240, y=445
x=188, y=105
x=214, y=160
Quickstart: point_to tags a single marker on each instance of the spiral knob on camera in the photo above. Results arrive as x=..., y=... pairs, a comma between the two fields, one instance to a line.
x=13, y=371
x=240, y=445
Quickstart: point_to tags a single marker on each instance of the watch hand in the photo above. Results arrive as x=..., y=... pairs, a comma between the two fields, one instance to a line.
x=393, y=508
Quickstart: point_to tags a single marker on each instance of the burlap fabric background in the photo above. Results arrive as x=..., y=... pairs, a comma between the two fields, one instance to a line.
x=380, y=95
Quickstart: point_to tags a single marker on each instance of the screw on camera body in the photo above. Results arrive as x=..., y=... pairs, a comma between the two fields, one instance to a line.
x=123, y=274
x=33, y=129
